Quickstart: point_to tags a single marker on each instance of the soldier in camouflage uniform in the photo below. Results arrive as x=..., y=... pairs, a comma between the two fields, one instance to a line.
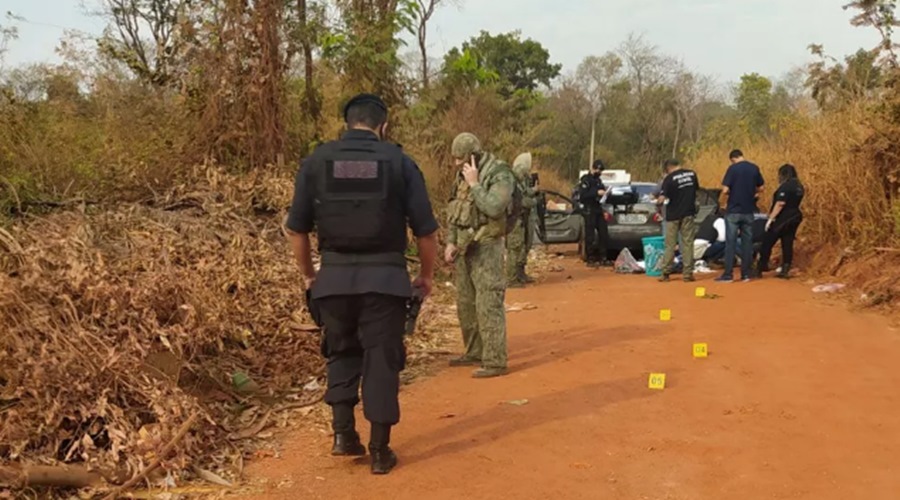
x=477, y=212
x=518, y=241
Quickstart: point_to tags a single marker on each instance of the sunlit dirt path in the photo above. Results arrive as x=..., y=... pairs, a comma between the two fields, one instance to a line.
x=797, y=399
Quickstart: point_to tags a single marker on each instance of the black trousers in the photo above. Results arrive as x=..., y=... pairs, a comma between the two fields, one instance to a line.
x=363, y=340
x=596, y=236
x=786, y=232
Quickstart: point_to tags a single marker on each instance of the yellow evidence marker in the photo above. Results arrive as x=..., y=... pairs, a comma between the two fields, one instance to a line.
x=701, y=350
x=665, y=315
x=657, y=381
x=700, y=292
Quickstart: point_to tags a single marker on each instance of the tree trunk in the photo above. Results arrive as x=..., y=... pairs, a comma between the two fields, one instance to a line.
x=268, y=82
x=423, y=49
x=677, y=134
x=312, y=98
x=593, y=134
x=427, y=10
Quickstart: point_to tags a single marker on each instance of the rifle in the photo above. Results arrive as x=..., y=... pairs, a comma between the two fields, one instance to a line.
x=413, y=308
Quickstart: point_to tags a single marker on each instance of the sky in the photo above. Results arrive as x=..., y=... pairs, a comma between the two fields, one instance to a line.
x=720, y=38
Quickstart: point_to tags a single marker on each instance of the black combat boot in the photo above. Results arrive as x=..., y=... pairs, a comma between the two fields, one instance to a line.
x=464, y=361
x=523, y=276
x=785, y=273
x=489, y=372
x=759, y=271
x=347, y=444
x=383, y=457
x=346, y=439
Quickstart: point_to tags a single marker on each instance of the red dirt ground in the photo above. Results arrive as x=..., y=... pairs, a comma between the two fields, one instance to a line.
x=798, y=399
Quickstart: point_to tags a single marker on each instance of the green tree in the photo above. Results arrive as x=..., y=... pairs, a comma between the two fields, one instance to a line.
x=754, y=102
x=881, y=15
x=834, y=84
x=365, y=44
x=520, y=65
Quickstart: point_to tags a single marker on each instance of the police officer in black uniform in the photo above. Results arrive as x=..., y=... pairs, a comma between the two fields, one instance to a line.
x=596, y=233
x=360, y=194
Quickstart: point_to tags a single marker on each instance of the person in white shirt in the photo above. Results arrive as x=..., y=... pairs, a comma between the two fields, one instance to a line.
x=710, y=241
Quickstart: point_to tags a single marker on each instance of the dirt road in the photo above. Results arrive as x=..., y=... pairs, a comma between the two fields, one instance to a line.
x=797, y=399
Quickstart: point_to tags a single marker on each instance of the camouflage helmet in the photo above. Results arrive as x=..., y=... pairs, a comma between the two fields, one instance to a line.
x=522, y=166
x=465, y=145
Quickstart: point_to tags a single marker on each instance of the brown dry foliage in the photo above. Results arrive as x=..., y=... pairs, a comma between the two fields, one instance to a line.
x=847, y=211
x=122, y=322
x=86, y=298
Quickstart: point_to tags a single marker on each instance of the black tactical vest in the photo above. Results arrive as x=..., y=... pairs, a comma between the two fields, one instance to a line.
x=358, y=202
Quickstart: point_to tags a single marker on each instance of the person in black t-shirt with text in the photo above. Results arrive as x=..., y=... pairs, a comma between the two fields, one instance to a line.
x=784, y=221
x=679, y=193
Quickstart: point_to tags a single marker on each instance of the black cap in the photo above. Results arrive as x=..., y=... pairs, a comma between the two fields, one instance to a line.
x=737, y=153
x=598, y=165
x=364, y=99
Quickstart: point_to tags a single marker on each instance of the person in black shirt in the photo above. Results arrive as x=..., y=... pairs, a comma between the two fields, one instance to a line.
x=360, y=194
x=596, y=233
x=784, y=221
x=679, y=193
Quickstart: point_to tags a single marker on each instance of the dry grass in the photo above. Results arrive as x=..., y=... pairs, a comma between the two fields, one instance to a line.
x=123, y=322
x=847, y=213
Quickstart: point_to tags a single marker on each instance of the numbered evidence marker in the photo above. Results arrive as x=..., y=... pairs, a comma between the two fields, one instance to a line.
x=700, y=292
x=657, y=381
x=665, y=315
x=701, y=350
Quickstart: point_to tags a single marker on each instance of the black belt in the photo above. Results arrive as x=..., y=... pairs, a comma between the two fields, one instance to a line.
x=363, y=259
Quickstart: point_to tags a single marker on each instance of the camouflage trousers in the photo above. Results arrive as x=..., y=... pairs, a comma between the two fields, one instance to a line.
x=517, y=245
x=481, y=292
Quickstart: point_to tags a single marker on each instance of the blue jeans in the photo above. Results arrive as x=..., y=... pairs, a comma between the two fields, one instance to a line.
x=715, y=251
x=736, y=224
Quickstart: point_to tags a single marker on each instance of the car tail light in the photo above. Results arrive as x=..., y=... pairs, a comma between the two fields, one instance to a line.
x=657, y=217
x=608, y=216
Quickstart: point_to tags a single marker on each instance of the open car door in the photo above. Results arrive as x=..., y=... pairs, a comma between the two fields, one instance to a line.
x=708, y=202
x=559, y=220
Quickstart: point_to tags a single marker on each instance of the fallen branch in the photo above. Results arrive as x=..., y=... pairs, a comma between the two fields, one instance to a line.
x=58, y=204
x=885, y=249
x=15, y=193
x=439, y=352
x=182, y=431
x=302, y=404
x=252, y=430
x=211, y=477
x=61, y=476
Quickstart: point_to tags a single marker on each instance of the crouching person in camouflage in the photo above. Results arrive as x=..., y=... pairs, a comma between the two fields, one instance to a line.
x=477, y=218
x=518, y=242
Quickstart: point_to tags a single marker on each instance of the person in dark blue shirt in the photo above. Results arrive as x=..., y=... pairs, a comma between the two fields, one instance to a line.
x=742, y=184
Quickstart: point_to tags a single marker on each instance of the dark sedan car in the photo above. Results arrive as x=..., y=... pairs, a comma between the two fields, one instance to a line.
x=631, y=214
